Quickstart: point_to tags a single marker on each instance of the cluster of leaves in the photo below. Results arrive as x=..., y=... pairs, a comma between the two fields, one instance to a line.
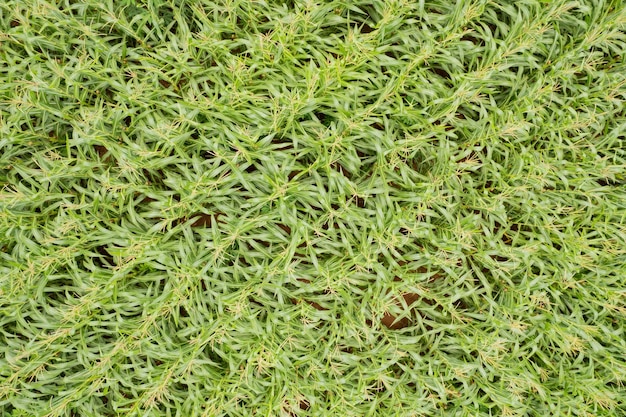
x=305, y=208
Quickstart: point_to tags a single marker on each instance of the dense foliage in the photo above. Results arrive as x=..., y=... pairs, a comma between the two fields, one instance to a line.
x=312, y=208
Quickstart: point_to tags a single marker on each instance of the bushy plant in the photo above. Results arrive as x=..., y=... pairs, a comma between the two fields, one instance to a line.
x=312, y=208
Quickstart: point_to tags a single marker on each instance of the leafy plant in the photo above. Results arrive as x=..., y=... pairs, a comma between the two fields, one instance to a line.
x=234, y=207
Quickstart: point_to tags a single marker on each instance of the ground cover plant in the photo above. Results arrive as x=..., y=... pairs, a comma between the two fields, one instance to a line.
x=312, y=208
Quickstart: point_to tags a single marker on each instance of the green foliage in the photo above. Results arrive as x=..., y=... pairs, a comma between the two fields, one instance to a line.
x=312, y=208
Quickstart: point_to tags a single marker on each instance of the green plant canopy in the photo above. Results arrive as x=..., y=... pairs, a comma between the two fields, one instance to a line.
x=312, y=208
